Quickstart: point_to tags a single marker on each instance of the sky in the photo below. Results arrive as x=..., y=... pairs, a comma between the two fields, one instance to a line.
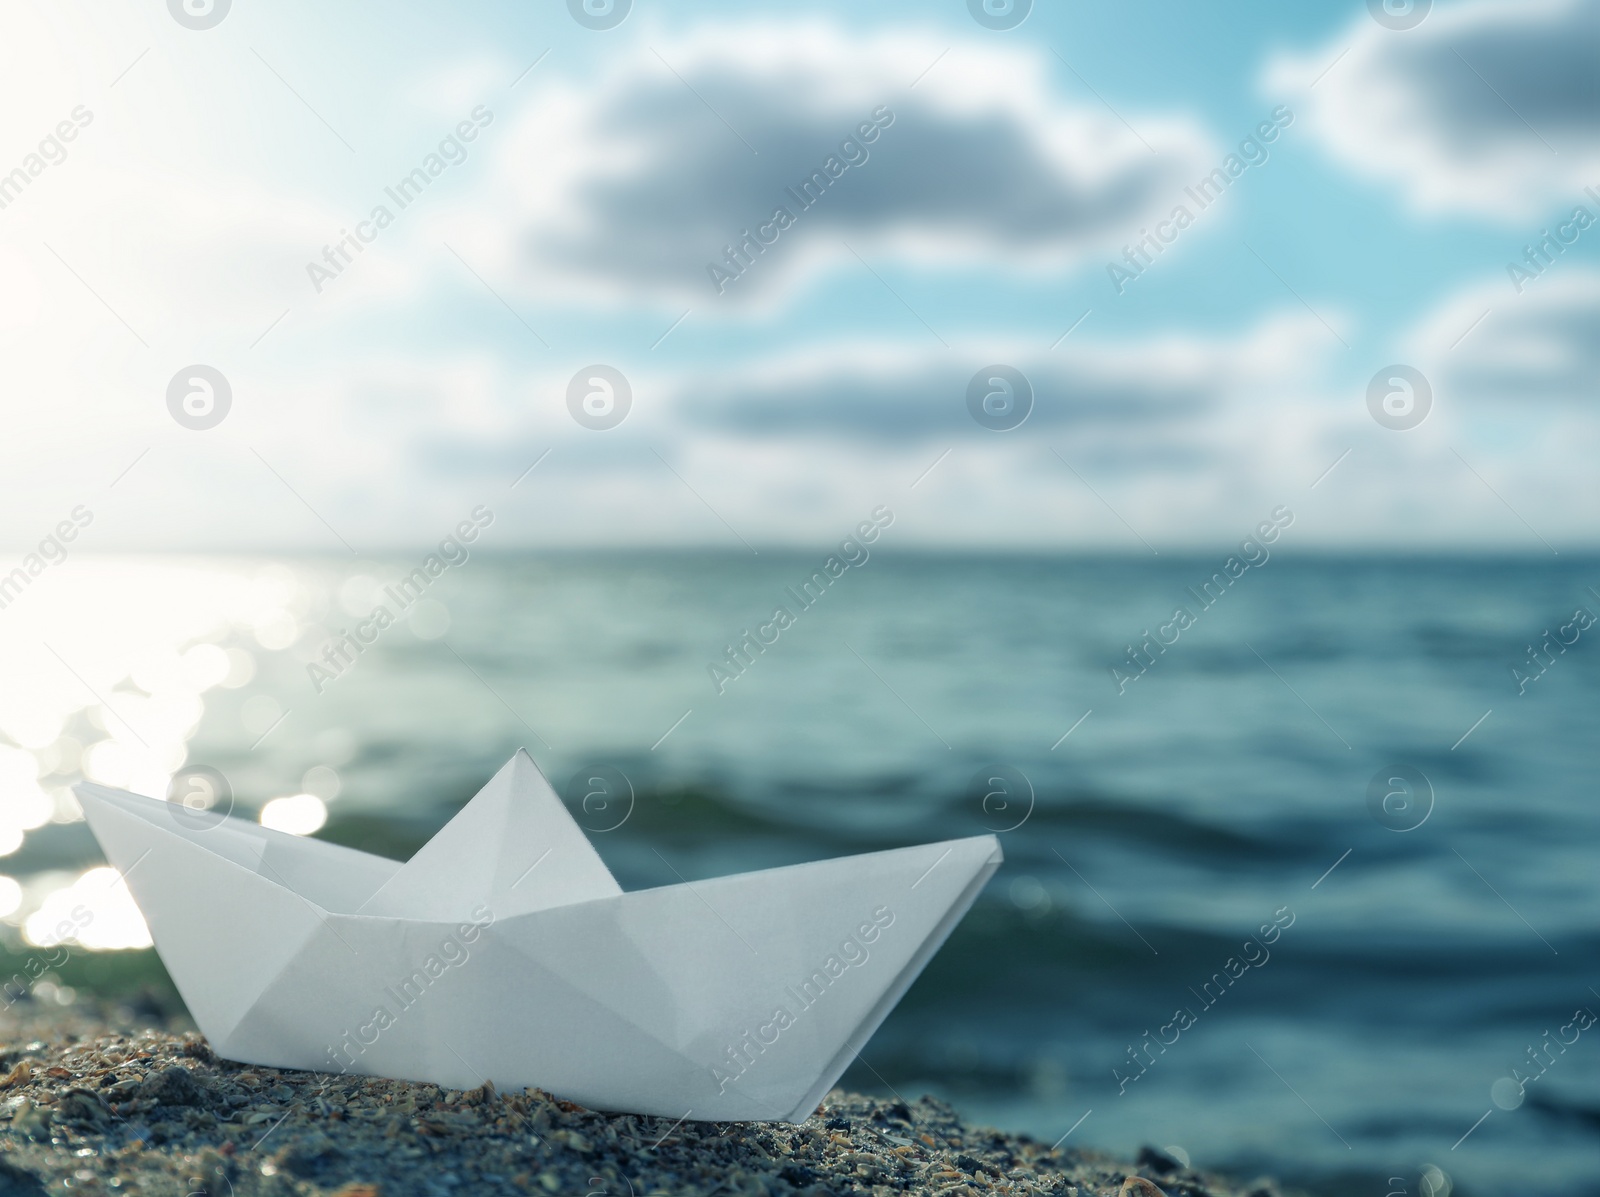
x=205, y=200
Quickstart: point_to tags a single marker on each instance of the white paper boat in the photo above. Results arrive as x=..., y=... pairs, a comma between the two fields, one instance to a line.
x=504, y=951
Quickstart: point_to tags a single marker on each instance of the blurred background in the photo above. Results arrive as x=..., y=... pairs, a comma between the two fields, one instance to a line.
x=1218, y=388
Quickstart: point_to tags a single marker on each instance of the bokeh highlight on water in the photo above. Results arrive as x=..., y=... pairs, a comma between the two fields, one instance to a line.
x=1357, y=976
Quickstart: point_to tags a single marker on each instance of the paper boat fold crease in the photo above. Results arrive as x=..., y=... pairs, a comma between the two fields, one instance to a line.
x=505, y=951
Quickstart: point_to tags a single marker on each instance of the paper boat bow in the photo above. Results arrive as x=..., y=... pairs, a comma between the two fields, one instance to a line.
x=505, y=951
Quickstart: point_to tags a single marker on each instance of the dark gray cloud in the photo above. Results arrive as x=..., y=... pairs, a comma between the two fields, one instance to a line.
x=1511, y=79
x=919, y=399
x=1116, y=392
x=1491, y=107
x=638, y=182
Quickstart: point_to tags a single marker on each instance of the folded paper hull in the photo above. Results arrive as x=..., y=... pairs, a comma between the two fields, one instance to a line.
x=733, y=998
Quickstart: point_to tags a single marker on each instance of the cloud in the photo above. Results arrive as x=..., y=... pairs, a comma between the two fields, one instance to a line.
x=886, y=397
x=1542, y=347
x=633, y=183
x=1486, y=107
x=1182, y=435
x=1169, y=439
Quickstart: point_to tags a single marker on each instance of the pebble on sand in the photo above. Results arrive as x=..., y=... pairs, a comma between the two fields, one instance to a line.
x=98, y=1101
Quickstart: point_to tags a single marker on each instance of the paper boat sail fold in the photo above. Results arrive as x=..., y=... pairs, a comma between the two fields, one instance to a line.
x=513, y=848
x=505, y=951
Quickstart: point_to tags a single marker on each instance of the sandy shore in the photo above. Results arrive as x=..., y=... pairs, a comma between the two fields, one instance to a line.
x=99, y=1100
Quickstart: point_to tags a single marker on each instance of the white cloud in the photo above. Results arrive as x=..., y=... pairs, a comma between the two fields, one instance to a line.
x=1530, y=351
x=1486, y=107
x=1504, y=457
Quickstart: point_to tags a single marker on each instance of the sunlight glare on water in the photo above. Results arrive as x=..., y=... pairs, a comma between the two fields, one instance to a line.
x=298, y=814
x=107, y=662
x=96, y=912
